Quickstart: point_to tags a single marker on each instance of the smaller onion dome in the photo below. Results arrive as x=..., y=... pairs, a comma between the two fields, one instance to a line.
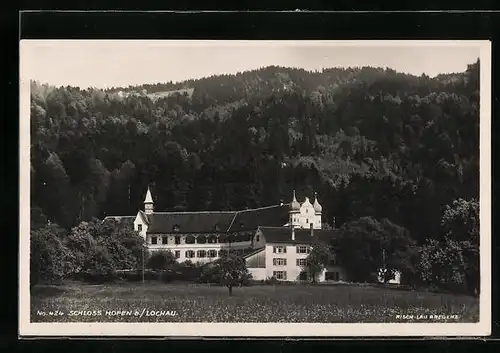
x=295, y=206
x=317, y=207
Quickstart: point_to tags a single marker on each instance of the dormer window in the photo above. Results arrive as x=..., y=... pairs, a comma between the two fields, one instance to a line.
x=176, y=228
x=242, y=225
x=217, y=228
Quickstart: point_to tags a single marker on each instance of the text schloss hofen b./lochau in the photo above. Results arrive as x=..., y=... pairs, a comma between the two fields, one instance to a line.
x=136, y=313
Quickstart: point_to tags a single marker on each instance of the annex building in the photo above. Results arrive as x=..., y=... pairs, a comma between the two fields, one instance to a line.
x=274, y=240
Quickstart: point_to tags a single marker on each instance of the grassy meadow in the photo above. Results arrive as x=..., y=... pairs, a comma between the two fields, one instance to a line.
x=158, y=302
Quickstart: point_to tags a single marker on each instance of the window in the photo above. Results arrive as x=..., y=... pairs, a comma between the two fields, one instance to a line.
x=332, y=262
x=189, y=254
x=217, y=228
x=212, y=253
x=279, y=249
x=307, y=210
x=301, y=262
x=176, y=228
x=201, y=240
x=164, y=239
x=307, y=220
x=280, y=275
x=279, y=262
x=257, y=237
x=177, y=254
x=190, y=240
x=332, y=276
x=303, y=276
x=139, y=227
x=177, y=240
x=302, y=249
x=154, y=240
x=201, y=254
x=212, y=240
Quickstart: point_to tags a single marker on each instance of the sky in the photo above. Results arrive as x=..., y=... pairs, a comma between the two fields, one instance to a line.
x=119, y=63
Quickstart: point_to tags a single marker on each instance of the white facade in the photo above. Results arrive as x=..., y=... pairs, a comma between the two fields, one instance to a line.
x=305, y=214
x=287, y=262
x=283, y=261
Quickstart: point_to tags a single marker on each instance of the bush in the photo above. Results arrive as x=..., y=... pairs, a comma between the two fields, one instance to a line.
x=136, y=276
x=50, y=258
x=97, y=277
x=271, y=280
x=170, y=275
x=160, y=260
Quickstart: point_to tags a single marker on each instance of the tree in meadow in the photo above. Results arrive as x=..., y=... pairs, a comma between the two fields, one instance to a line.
x=230, y=271
x=453, y=261
x=101, y=248
x=317, y=259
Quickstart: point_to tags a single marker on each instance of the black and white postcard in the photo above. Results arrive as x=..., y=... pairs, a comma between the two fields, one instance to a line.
x=255, y=188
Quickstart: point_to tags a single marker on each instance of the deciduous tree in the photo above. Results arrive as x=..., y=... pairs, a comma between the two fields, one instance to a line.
x=230, y=270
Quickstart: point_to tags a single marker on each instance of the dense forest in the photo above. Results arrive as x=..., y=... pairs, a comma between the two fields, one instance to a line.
x=374, y=143
x=371, y=142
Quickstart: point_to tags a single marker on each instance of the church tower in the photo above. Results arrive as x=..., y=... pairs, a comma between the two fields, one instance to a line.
x=318, y=209
x=294, y=212
x=148, y=203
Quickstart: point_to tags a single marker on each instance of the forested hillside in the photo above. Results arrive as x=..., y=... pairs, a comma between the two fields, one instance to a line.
x=371, y=142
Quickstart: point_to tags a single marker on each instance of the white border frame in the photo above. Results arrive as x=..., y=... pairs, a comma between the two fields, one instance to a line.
x=482, y=328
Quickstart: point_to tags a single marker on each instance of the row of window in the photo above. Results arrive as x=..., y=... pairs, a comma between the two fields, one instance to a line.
x=177, y=228
x=189, y=240
x=300, y=249
x=298, y=262
x=200, y=253
x=283, y=262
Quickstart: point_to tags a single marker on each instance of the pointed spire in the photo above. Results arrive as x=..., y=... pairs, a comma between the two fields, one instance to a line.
x=149, y=198
x=148, y=203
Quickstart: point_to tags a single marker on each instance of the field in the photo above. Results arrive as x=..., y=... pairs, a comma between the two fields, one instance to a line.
x=157, y=302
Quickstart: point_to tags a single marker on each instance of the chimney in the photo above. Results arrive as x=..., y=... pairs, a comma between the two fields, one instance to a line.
x=312, y=230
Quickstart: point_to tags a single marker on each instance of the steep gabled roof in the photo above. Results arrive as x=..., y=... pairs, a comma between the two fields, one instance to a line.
x=144, y=216
x=217, y=221
x=302, y=236
x=271, y=216
x=189, y=222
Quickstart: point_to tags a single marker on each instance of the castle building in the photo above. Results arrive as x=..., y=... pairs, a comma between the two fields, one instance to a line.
x=274, y=240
